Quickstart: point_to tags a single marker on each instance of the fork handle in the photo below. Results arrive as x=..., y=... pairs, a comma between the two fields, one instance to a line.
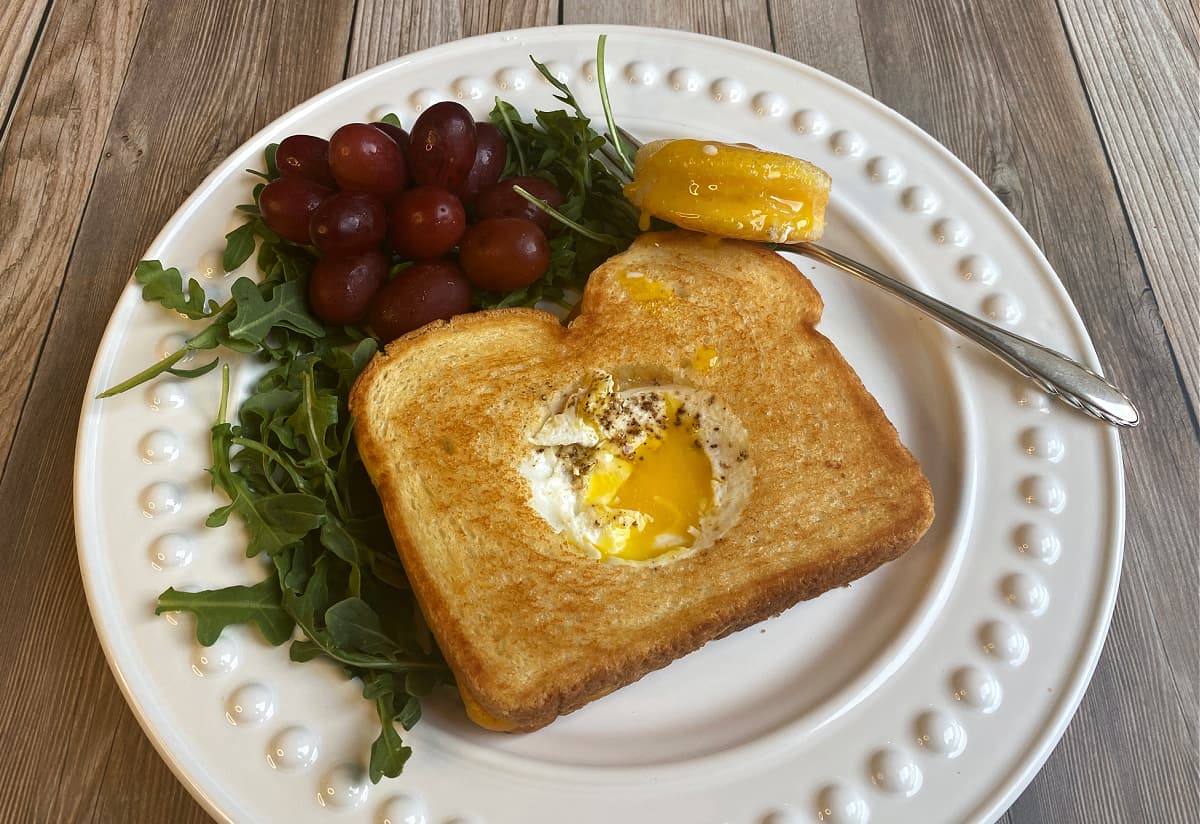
x=1054, y=372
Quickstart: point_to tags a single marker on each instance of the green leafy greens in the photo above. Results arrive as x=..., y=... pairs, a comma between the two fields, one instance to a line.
x=288, y=464
x=560, y=146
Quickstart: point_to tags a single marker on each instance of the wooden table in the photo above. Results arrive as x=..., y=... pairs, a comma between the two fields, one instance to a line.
x=1081, y=117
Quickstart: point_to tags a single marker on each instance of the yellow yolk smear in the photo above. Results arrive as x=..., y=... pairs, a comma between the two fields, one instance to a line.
x=705, y=358
x=668, y=479
x=481, y=716
x=644, y=289
x=730, y=190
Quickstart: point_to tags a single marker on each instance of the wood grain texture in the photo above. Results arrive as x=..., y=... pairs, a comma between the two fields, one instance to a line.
x=20, y=21
x=746, y=21
x=305, y=55
x=1150, y=131
x=384, y=30
x=1015, y=111
x=825, y=34
x=47, y=159
x=138, y=786
x=87, y=759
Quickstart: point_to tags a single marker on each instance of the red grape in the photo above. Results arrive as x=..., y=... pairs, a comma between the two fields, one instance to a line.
x=491, y=152
x=442, y=150
x=347, y=223
x=286, y=204
x=364, y=159
x=340, y=288
x=395, y=133
x=504, y=253
x=303, y=155
x=424, y=292
x=425, y=222
x=500, y=200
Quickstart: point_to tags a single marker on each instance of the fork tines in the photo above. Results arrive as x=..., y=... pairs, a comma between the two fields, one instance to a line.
x=609, y=157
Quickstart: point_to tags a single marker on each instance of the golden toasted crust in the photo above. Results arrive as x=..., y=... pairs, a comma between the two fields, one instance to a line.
x=531, y=628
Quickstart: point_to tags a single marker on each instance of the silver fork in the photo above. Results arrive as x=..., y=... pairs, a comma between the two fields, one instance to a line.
x=1055, y=373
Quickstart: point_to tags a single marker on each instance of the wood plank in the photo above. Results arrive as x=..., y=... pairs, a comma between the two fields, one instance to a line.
x=746, y=21
x=47, y=160
x=826, y=35
x=20, y=21
x=996, y=84
x=384, y=30
x=144, y=789
x=1139, y=70
x=1112, y=765
x=61, y=704
x=290, y=75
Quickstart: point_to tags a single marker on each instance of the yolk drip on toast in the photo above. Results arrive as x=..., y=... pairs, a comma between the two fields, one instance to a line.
x=705, y=358
x=644, y=289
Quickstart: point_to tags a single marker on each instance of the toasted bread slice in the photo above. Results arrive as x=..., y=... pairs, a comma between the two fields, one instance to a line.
x=532, y=628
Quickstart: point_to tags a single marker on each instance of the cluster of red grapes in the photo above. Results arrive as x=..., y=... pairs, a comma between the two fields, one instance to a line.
x=373, y=192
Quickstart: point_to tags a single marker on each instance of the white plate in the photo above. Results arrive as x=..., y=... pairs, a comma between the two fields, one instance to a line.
x=932, y=690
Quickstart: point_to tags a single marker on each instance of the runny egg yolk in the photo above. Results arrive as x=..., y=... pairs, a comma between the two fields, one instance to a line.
x=734, y=191
x=668, y=479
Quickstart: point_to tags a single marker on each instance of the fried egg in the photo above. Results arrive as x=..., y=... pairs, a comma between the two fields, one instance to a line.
x=641, y=474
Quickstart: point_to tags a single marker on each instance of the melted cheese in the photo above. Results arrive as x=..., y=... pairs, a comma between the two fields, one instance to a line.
x=481, y=716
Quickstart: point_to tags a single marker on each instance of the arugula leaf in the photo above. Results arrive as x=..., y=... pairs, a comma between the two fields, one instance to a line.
x=303, y=650
x=338, y=540
x=272, y=171
x=239, y=245
x=262, y=407
x=256, y=316
x=564, y=93
x=165, y=286
x=208, y=338
x=273, y=522
x=362, y=355
x=388, y=752
x=602, y=82
x=218, y=608
x=354, y=626
x=504, y=114
x=419, y=684
x=313, y=419
x=310, y=606
x=197, y=372
x=410, y=712
x=296, y=564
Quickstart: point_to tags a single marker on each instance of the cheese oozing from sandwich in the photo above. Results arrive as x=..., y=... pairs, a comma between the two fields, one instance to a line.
x=641, y=474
